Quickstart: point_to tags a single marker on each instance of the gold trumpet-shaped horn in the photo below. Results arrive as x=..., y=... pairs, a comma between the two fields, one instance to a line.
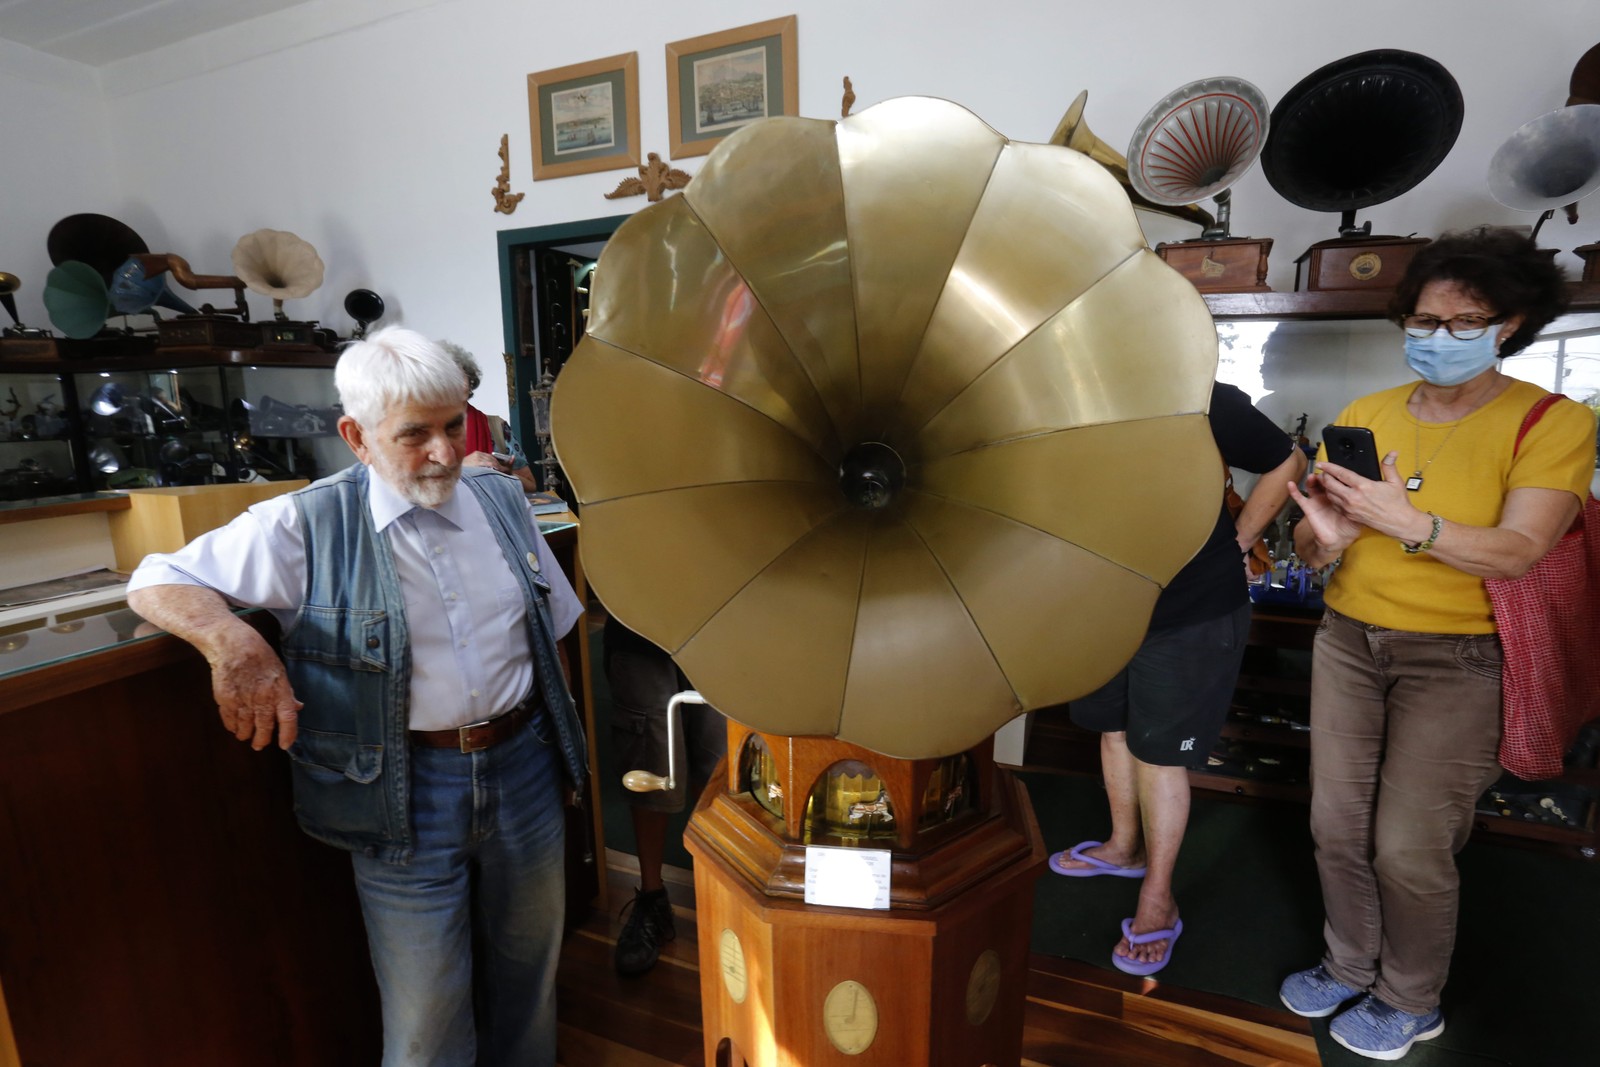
x=1074, y=133
x=10, y=283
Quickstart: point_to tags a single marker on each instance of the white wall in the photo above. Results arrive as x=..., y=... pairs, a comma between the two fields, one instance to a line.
x=55, y=160
x=370, y=127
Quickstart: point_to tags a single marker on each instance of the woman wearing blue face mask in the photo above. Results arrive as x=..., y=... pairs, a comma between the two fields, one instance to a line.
x=1405, y=690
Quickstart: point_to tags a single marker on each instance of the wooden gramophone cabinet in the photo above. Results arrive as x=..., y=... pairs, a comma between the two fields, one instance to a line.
x=938, y=978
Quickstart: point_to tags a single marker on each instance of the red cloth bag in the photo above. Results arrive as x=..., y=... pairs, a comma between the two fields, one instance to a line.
x=1549, y=625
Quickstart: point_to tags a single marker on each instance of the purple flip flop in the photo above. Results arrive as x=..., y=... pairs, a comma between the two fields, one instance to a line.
x=1127, y=966
x=1096, y=866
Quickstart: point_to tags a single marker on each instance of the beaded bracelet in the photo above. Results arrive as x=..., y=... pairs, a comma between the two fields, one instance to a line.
x=1433, y=535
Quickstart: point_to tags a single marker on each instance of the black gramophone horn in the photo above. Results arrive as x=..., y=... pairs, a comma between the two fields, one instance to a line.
x=98, y=240
x=365, y=306
x=1584, y=88
x=1361, y=131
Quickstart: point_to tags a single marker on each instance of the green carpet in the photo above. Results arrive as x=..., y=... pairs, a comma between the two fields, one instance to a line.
x=1521, y=984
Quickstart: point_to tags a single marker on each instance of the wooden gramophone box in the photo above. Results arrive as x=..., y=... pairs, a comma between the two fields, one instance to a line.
x=1355, y=263
x=225, y=331
x=1227, y=265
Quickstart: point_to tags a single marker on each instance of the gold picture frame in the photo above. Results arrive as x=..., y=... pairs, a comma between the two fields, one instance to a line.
x=751, y=72
x=585, y=117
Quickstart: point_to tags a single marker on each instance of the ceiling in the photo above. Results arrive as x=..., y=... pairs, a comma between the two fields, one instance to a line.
x=98, y=32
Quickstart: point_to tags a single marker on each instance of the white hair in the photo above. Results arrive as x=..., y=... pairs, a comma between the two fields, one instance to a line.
x=392, y=368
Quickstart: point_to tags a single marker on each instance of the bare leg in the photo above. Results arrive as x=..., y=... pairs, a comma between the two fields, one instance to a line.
x=650, y=838
x=1163, y=798
x=1126, y=848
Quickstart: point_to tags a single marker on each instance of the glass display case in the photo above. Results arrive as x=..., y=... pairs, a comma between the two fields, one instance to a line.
x=203, y=424
x=37, y=454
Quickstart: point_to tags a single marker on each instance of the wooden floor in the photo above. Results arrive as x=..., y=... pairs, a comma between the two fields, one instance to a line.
x=1076, y=1014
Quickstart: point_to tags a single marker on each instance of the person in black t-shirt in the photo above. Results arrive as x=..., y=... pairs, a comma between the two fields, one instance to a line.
x=1163, y=712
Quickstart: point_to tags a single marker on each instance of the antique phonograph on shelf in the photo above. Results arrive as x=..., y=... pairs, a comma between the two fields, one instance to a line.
x=1358, y=132
x=1553, y=161
x=1196, y=142
x=103, y=267
x=848, y=461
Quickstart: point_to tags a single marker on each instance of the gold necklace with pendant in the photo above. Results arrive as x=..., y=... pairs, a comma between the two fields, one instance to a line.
x=1414, y=482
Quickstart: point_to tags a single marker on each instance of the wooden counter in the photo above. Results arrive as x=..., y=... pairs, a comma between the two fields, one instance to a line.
x=158, y=903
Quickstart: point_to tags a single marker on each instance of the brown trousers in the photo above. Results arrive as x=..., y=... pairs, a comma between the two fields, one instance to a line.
x=1404, y=731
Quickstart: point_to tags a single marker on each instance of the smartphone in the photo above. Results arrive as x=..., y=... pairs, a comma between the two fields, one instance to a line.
x=1353, y=448
x=503, y=457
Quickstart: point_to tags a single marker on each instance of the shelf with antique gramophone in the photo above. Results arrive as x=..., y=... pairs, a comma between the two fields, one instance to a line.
x=1352, y=134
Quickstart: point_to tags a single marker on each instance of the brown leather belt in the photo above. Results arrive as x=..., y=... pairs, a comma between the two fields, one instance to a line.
x=477, y=736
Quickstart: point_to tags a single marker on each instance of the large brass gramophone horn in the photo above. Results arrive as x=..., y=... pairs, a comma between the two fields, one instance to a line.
x=1196, y=142
x=1360, y=131
x=1073, y=132
x=862, y=464
x=277, y=264
x=856, y=426
x=1549, y=162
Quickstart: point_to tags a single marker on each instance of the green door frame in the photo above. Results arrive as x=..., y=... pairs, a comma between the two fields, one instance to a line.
x=510, y=243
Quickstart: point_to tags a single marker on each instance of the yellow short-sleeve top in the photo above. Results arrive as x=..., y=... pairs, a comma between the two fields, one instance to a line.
x=1467, y=469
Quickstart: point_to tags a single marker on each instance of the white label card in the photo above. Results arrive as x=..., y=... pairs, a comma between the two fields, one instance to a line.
x=847, y=877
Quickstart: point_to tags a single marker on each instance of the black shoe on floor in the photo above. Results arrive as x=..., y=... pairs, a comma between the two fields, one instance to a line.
x=648, y=925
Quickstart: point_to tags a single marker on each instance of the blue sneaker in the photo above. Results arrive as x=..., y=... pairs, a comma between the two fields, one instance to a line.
x=1379, y=1032
x=1314, y=993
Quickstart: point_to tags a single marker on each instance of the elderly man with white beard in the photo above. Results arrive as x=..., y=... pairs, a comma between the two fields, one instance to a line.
x=420, y=697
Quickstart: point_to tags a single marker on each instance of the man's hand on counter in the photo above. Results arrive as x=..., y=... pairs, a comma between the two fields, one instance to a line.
x=247, y=678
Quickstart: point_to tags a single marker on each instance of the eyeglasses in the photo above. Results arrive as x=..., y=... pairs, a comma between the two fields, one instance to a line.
x=1462, y=327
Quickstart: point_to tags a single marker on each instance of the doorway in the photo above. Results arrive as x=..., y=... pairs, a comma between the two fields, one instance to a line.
x=544, y=302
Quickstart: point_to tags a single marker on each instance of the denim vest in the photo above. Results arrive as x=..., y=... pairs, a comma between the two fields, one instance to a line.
x=348, y=656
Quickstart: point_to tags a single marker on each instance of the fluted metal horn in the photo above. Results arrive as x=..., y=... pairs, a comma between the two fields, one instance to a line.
x=797, y=437
x=1360, y=131
x=278, y=264
x=1073, y=132
x=1549, y=162
x=1196, y=142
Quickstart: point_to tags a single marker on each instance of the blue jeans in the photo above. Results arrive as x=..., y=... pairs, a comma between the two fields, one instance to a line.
x=465, y=938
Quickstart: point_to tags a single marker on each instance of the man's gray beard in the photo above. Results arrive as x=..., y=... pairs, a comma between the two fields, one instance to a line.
x=425, y=492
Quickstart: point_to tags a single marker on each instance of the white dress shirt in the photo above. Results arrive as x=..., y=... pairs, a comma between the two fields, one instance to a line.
x=469, y=652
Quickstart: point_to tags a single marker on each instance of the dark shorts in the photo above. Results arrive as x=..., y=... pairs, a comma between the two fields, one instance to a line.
x=1173, y=697
x=641, y=684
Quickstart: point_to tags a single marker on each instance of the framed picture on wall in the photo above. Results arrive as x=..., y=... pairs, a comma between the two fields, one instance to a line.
x=585, y=117
x=722, y=81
